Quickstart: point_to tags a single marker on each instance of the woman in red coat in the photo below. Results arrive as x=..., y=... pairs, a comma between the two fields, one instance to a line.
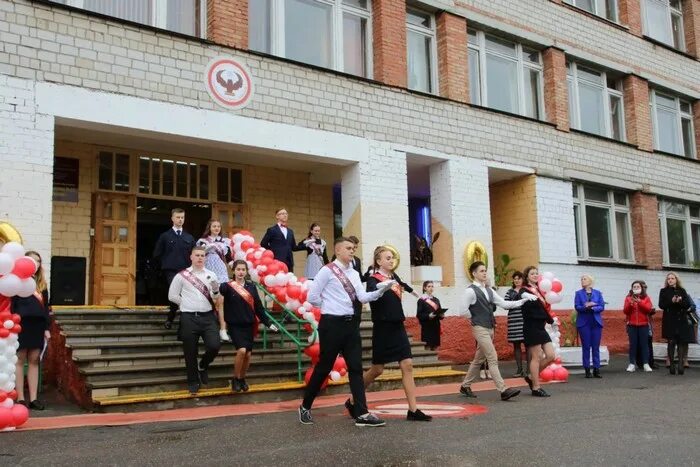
x=637, y=309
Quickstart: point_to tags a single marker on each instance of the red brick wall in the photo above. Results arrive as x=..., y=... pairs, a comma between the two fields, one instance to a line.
x=389, y=41
x=637, y=112
x=691, y=26
x=227, y=22
x=631, y=15
x=556, y=98
x=645, y=230
x=453, y=60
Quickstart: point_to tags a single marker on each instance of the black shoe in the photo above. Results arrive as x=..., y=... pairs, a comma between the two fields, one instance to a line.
x=596, y=373
x=418, y=416
x=203, y=375
x=509, y=393
x=681, y=370
x=244, y=385
x=588, y=373
x=23, y=402
x=540, y=393
x=672, y=369
x=654, y=366
x=236, y=385
x=350, y=408
x=168, y=324
x=305, y=417
x=465, y=391
x=369, y=420
x=36, y=404
x=528, y=381
x=193, y=388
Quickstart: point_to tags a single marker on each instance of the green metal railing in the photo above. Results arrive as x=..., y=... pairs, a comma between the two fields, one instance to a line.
x=295, y=336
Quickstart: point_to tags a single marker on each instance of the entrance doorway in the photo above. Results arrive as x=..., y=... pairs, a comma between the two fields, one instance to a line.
x=152, y=219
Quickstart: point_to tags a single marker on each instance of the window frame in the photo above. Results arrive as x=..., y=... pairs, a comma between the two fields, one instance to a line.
x=680, y=116
x=572, y=81
x=580, y=202
x=277, y=32
x=430, y=33
x=599, y=7
x=522, y=66
x=670, y=13
x=159, y=16
x=689, y=222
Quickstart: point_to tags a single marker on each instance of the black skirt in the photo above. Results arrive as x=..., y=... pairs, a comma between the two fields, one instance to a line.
x=32, y=335
x=430, y=332
x=535, y=333
x=389, y=342
x=241, y=336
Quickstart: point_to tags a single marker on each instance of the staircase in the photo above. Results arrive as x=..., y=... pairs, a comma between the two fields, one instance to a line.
x=125, y=360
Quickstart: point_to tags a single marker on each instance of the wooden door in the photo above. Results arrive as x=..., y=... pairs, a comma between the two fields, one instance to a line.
x=233, y=217
x=114, y=259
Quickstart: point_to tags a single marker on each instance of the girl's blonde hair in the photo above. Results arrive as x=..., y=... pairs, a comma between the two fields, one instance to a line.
x=377, y=254
x=39, y=274
x=679, y=284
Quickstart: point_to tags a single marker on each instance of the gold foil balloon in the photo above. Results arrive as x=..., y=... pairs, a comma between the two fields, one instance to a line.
x=475, y=251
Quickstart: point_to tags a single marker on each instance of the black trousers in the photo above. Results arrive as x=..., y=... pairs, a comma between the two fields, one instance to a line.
x=192, y=327
x=339, y=335
x=169, y=275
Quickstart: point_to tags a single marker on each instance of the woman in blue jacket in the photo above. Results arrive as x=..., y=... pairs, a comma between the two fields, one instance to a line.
x=589, y=304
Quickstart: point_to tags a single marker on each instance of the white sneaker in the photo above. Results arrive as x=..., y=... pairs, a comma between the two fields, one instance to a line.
x=631, y=368
x=647, y=368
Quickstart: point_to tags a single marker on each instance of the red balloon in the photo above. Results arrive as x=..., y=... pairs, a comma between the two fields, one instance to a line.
x=281, y=295
x=12, y=395
x=16, y=318
x=4, y=332
x=308, y=328
x=251, y=257
x=272, y=269
x=307, y=375
x=302, y=296
x=313, y=351
x=557, y=286
x=245, y=233
x=557, y=361
x=317, y=313
x=547, y=374
x=16, y=329
x=246, y=245
x=561, y=374
x=339, y=364
x=343, y=372
x=20, y=414
x=283, y=267
x=293, y=291
x=6, y=417
x=268, y=254
x=266, y=260
x=3, y=396
x=24, y=268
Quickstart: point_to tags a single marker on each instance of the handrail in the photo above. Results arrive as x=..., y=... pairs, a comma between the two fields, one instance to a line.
x=282, y=328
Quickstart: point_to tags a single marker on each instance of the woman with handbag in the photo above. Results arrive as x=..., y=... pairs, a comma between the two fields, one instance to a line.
x=677, y=322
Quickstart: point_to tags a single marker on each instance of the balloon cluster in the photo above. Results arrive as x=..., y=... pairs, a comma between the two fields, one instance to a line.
x=552, y=288
x=16, y=271
x=288, y=289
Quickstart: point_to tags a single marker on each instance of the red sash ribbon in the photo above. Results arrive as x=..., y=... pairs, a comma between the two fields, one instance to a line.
x=248, y=298
x=432, y=304
x=396, y=288
x=197, y=284
x=536, y=292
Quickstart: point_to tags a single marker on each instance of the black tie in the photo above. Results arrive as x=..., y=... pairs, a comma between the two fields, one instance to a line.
x=178, y=232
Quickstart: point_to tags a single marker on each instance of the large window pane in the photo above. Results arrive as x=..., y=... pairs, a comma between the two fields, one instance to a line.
x=623, y=236
x=695, y=231
x=688, y=137
x=592, y=193
x=222, y=184
x=577, y=225
x=502, y=85
x=616, y=118
x=259, y=36
x=354, y=45
x=144, y=174
x=588, y=5
x=495, y=44
x=168, y=177
x=598, y=232
x=591, y=107
x=667, y=130
x=304, y=42
x=657, y=21
x=138, y=11
x=182, y=16
x=677, y=30
x=474, y=77
x=675, y=229
x=121, y=176
x=418, y=61
x=532, y=93
x=106, y=170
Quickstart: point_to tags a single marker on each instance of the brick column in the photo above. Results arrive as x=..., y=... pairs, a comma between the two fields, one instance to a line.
x=459, y=190
x=556, y=95
x=389, y=42
x=645, y=230
x=637, y=112
x=453, y=58
x=691, y=26
x=227, y=22
x=631, y=15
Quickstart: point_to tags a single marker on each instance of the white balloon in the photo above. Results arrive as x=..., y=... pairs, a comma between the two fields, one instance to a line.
x=3, y=346
x=258, y=254
x=10, y=285
x=238, y=238
x=269, y=281
x=281, y=278
x=335, y=376
x=7, y=387
x=14, y=249
x=8, y=403
x=254, y=275
x=553, y=297
x=301, y=310
x=9, y=324
x=545, y=285
x=312, y=337
x=239, y=255
x=4, y=377
x=548, y=275
x=308, y=316
x=27, y=287
x=307, y=305
x=7, y=262
x=293, y=304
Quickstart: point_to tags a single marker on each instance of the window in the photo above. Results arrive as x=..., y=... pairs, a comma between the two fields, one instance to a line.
x=505, y=75
x=113, y=171
x=595, y=102
x=605, y=8
x=422, y=52
x=663, y=21
x=183, y=16
x=680, y=233
x=327, y=33
x=229, y=185
x=170, y=177
x=602, y=219
x=672, y=119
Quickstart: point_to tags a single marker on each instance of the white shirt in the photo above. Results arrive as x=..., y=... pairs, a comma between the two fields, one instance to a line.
x=283, y=229
x=177, y=231
x=469, y=298
x=328, y=292
x=188, y=296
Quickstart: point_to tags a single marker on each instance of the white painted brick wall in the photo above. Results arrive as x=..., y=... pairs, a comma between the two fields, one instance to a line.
x=555, y=221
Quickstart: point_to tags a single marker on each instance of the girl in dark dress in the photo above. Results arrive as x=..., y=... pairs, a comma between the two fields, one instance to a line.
x=539, y=344
x=242, y=312
x=429, y=313
x=515, y=323
x=389, y=339
x=676, y=326
x=35, y=313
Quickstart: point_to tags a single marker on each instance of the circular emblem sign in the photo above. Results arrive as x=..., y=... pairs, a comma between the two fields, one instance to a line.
x=436, y=409
x=229, y=83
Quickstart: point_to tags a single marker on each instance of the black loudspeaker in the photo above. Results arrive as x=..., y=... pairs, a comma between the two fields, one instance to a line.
x=68, y=280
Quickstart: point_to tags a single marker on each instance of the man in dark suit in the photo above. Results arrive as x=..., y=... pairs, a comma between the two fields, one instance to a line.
x=280, y=240
x=172, y=252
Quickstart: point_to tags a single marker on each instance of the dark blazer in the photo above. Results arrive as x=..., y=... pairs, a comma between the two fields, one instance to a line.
x=237, y=311
x=586, y=316
x=674, y=322
x=281, y=247
x=173, y=251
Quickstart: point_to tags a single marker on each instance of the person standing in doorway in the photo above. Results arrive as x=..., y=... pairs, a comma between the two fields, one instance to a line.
x=280, y=240
x=478, y=300
x=316, y=251
x=589, y=305
x=172, y=252
x=196, y=290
